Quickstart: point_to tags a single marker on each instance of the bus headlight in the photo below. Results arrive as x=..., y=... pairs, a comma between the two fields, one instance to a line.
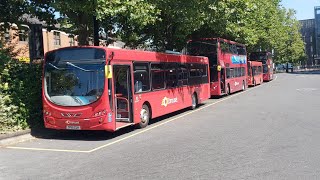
x=100, y=113
x=46, y=113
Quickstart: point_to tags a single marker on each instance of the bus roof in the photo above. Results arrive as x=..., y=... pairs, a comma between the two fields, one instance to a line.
x=140, y=55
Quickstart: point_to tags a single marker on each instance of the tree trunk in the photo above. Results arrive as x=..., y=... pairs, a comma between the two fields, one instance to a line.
x=83, y=30
x=95, y=32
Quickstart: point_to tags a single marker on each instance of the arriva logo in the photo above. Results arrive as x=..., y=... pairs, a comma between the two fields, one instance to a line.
x=166, y=101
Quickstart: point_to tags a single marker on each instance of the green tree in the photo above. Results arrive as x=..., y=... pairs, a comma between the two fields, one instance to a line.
x=259, y=24
x=78, y=15
x=13, y=10
x=173, y=23
x=10, y=10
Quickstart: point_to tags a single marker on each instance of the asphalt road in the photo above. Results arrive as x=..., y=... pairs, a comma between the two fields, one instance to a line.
x=271, y=131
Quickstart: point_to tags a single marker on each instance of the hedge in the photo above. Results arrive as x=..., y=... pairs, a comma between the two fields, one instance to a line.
x=20, y=94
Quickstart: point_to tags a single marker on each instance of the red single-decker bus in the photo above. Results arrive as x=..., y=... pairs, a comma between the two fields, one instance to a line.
x=254, y=73
x=227, y=60
x=98, y=88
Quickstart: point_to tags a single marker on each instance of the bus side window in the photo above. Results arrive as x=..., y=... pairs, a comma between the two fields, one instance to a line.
x=228, y=73
x=158, y=76
x=141, y=77
x=231, y=72
x=182, y=75
x=171, y=75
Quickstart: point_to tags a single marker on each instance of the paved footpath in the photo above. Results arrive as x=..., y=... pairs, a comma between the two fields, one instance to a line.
x=271, y=131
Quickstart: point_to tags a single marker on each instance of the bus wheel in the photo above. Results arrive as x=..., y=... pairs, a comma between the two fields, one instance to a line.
x=194, y=102
x=144, y=116
x=243, y=86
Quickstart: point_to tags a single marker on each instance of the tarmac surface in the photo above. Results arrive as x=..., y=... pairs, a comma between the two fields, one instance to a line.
x=267, y=132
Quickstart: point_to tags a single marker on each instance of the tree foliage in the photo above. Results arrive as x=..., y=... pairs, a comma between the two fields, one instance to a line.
x=20, y=93
x=112, y=15
x=12, y=11
x=168, y=24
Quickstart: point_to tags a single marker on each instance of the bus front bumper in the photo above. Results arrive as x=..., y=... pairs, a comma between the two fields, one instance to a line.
x=96, y=123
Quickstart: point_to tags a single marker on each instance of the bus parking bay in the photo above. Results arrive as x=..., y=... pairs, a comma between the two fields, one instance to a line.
x=90, y=141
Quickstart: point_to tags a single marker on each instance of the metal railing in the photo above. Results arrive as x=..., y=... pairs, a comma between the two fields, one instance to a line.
x=299, y=69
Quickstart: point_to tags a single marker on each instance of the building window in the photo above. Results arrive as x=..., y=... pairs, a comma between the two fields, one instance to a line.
x=310, y=38
x=56, y=38
x=71, y=40
x=23, y=35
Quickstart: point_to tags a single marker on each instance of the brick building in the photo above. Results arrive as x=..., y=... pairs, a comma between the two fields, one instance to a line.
x=19, y=39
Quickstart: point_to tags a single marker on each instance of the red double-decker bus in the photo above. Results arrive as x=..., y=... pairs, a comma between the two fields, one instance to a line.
x=96, y=88
x=254, y=73
x=227, y=60
x=267, y=63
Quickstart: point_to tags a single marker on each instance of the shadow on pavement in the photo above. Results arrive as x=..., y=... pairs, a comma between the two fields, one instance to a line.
x=221, y=97
x=43, y=133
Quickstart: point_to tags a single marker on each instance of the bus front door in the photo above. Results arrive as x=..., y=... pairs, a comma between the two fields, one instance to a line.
x=223, y=81
x=253, y=71
x=123, y=95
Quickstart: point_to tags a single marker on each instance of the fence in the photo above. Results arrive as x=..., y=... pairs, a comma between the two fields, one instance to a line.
x=299, y=69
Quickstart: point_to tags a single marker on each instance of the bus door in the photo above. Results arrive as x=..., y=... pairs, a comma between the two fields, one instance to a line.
x=253, y=72
x=249, y=80
x=123, y=93
x=223, y=80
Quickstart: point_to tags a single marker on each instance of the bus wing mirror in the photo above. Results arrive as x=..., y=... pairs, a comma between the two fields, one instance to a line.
x=108, y=71
x=218, y=68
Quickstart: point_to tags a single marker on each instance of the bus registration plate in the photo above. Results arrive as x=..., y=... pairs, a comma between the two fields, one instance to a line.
x=73, y=127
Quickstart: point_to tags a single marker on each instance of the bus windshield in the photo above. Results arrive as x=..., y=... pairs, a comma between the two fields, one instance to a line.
x=75, y=76
x=265, y=68
x=207, y=48
x=262, y=57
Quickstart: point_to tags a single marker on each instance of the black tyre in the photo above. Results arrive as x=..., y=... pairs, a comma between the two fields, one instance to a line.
x=144, y=116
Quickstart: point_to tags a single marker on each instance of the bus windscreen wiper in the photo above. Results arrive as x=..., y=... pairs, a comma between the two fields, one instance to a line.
x=84, y=61
x=55, y=67
x=82, y=69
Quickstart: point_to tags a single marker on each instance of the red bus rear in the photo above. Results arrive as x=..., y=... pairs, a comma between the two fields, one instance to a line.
x=228, y=63
x=254, y=73
x=96, y=88
x=267, y=63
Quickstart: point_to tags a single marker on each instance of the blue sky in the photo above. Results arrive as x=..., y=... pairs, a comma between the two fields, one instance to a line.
x=304, y=8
